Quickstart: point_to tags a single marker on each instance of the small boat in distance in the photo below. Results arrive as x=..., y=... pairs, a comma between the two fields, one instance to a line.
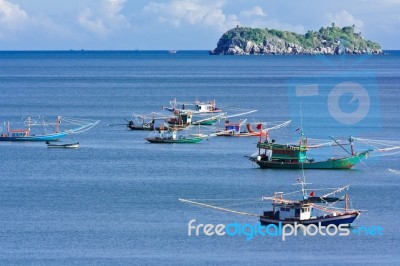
x=198, y=107
x=144, y=126
x=143, y=122
x=170, y=137
x=234, y=128
x=181, y=120
x=63, y=146
x=30, y=134
x=172, y=51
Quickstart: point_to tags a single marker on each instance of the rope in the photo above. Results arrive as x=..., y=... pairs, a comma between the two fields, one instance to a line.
x=217, y=208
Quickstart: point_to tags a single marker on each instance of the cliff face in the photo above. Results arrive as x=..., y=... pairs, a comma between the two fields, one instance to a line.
x=329, y=40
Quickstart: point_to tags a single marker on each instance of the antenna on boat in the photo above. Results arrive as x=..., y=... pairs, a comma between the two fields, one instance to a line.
x=29, y=123
x=303, y=184
x=301, y=117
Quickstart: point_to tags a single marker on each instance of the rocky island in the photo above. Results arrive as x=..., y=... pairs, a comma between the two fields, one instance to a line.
x=328, y=41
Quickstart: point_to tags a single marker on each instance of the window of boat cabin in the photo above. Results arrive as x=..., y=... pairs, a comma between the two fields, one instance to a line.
x=18, y=134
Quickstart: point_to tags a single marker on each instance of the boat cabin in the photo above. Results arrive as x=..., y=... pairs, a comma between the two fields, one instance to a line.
x=290, y=211
x=282, y=153
x=232, y=127
x=206, y=107
x=295, y=211
x=18, y=133
x=184, y=118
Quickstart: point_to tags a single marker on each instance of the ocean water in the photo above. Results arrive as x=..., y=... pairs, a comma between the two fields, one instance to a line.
x=115, y=199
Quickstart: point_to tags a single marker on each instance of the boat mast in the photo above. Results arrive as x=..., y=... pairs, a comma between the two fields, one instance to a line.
x=259, y=149
x=346, y=204
x=351, y=140
x=58, y=122
x=303, y=188
x=29, y=123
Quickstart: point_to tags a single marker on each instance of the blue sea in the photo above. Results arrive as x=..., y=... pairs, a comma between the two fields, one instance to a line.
x=114, y=201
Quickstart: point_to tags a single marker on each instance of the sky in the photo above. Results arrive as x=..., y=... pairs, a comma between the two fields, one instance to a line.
x=180, y=24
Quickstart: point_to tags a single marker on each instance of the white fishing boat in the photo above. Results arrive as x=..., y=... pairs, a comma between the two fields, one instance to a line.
x=63, y=146
x=309, y=209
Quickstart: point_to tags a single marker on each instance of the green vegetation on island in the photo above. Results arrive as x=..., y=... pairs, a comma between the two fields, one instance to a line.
x=329, y=40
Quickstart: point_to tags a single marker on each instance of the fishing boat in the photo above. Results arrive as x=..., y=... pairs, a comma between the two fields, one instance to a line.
x=172, y=51
x=286, y=211
x=288, y=156
x=143, y=122
x=181, y=120
x=301, y=207
x=201, y=113
x=196, y=107
x=63, y=146
x=143, y=126
x=235, y=128
x=28, y=133
x=170, y=137
x=187, y=135
x=207, y=107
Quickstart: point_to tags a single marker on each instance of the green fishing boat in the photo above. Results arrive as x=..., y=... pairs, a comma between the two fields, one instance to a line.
x=284, y=156
x=209, y=122
x=170, y=137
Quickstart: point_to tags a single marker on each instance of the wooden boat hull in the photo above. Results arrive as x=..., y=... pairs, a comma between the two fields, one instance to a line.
x=145, y=128
x=242, y=134
x=206, y=123
x=342, y=163
x=48, y=137
x=64, y=146
x=171, y=141
x=345, y=218
x=249, y=133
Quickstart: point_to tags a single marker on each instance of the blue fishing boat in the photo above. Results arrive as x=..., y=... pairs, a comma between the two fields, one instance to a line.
x=30, y=133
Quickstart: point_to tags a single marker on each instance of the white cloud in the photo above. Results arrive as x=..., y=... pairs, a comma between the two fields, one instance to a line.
x=16, y=26
x=193, y=12
x=89, y=22
x=12, y=17
x=255, y=11
x=105, y=18
x=344, y=18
